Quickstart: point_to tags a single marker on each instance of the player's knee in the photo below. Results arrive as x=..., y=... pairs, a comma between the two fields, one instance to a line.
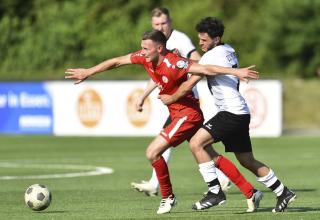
x=194, y=145
x=152, y=155
x=149, y=154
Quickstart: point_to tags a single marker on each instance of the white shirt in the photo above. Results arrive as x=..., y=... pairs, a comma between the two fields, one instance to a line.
x=225, y=88
x=180, y=41
x=183, y=44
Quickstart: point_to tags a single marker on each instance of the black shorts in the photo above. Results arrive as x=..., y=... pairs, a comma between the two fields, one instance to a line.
x=232, y=130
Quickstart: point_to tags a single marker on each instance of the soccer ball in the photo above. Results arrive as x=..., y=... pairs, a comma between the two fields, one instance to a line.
x=37, y=197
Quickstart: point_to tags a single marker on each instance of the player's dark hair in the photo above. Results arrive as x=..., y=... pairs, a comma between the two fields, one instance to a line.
x=212, y=26
x=158, y=11
x=156, y=36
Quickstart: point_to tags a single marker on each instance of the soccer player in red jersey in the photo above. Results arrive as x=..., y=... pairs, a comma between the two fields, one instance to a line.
x=168, y=71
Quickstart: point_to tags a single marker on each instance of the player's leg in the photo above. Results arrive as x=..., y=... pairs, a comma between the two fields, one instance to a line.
x=180, y=129
x=153, y=181
x=199, y=144
x=238, y=141
x=150, y=188
x=267, y=177
x=154, y=155
x=233, y=131
x=224, y=180
x=213, y=131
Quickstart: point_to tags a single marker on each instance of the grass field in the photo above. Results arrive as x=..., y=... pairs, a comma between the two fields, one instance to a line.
x=294, y=159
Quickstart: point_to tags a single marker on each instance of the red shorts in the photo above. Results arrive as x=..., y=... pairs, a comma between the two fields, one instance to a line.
x=182, y=128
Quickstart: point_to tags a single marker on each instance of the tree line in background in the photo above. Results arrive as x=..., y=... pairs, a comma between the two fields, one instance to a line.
x=40, y=38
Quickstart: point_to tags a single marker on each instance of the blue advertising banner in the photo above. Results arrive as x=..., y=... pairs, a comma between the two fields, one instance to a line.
x=25, y=108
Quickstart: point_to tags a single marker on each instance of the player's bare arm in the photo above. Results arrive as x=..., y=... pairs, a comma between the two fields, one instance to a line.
x=81, y=74
x=243, y=73
x=140, y=100
x=195, y=56
x=183, y=89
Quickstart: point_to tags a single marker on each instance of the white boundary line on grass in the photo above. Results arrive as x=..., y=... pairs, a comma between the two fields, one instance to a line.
x=91, y=170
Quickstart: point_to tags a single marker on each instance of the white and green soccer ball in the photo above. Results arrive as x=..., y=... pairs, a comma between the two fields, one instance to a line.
x=37, y=197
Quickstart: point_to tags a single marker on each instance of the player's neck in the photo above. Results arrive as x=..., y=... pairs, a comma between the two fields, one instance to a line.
x=215, y=45
x=160, y=59
x=169, y=34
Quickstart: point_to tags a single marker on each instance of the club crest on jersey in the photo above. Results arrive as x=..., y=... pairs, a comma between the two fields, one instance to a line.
x=165, y=79
x=182, y=64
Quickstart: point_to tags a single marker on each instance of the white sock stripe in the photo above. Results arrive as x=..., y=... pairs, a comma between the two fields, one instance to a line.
x=267, y=177
x=271, y=182
x=279, y=189
x=177, y=126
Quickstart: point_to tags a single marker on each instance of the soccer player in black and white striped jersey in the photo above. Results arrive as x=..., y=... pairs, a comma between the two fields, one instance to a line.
x=231, y=124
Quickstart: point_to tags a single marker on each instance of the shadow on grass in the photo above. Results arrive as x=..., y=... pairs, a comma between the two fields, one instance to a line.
x=52, y=212
x=295, y=209
x=268, y=191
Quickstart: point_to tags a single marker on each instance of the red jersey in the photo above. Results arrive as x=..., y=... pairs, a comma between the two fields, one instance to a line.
x=169, y=75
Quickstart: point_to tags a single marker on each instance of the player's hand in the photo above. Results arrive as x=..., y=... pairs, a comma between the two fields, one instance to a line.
x=166, y=99
x=176, y=51
x=77, y=74
x=248, y=73
x=139, y=104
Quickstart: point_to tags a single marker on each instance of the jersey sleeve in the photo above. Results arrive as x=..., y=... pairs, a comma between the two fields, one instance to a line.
x=186, y=46
x=137, y=58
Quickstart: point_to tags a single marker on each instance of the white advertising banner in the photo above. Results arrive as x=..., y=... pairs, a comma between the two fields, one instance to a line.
x=108, y=108
x=105, y=108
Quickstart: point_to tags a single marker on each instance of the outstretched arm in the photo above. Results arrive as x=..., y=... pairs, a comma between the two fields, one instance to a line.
x=81, y=74
x=243, y=73
x=183, y=89
x=150, y=87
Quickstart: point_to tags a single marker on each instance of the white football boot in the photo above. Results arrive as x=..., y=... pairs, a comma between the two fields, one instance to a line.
x=254, y=201
x=167, y=204
x=145, y=187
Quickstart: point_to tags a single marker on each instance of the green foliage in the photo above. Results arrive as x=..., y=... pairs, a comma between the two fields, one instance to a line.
x=39, y=39
x=301, y=104
x=289, y=41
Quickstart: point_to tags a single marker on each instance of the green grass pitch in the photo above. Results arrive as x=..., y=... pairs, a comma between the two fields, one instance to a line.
x=295, y=161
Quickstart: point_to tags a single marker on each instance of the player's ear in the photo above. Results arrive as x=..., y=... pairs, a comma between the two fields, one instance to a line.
x=216, y=40
x=160, y=48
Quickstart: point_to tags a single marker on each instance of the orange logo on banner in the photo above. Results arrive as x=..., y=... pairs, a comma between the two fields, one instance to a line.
x=257, y=105
x=90, y=108
x=138, y=119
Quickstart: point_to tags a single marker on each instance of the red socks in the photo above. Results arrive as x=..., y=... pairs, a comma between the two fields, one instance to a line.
x=162, y=172
x=231, y=171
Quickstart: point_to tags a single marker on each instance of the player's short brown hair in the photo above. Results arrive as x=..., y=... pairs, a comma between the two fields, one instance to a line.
x=158, y=11
x=156, y=36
